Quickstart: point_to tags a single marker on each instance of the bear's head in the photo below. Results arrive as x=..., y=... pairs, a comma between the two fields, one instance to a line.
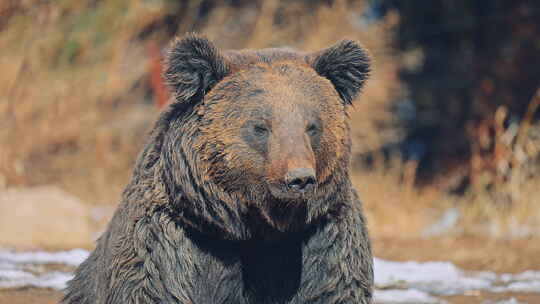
x=259, y=140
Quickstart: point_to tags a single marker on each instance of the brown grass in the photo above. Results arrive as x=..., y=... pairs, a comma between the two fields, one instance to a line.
x=504, y=200
x=393, y=206
x=68, y=111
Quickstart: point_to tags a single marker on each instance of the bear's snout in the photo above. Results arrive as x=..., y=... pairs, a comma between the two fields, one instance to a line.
x=300, y=180
x=297, y=183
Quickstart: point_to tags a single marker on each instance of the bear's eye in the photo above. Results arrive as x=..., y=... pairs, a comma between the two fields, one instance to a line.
x=313, y=130
x=260, y=130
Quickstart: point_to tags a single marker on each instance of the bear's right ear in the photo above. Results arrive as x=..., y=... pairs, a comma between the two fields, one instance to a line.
x=193, y=65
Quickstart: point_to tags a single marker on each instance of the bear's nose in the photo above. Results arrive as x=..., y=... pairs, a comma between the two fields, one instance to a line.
x=300, y=179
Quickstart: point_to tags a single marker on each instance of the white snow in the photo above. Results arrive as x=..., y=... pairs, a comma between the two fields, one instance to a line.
x=415, y=282
x=521, y=286
x=19, y=269
x=72, y=257
x=527, y=275
x=396, y=282
x=435, y=277
x=56, y=279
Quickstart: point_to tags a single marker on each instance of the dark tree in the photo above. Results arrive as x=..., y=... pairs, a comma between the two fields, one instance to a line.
x=476, y=57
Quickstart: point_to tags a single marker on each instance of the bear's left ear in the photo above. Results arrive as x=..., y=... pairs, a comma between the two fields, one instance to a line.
x=346, y=65
x=193, y=65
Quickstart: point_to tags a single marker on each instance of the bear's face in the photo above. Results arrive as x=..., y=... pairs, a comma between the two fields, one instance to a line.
x=273, y=128
x=268, y=131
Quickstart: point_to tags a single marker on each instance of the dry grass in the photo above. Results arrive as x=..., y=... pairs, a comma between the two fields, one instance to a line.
x=483, y=213
x=503, y=199
x=68, y=102
x=393, y=206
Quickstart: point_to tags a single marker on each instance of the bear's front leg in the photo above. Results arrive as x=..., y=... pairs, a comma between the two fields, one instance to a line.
x=337, y=263
x=155, y=261
x=184, y=268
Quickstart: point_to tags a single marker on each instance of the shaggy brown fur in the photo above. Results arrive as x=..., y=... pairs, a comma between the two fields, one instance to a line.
x=242, y=194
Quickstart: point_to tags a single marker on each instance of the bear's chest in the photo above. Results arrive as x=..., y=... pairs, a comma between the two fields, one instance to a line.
x=250, y=273
x=214, y=281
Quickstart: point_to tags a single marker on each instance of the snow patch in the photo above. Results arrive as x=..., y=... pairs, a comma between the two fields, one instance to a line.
x=71, y=258
x=435, y=277
x=20, y=269
x=523, y=286
x=19, y=278
x=432, y=279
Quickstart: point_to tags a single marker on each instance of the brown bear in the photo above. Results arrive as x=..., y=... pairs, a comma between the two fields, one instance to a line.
x=242, y=193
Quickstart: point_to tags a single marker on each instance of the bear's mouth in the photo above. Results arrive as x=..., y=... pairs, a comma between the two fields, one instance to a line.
x=289, y=195
x=282, y=217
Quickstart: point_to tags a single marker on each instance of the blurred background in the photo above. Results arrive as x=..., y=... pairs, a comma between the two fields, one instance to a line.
x=446, y=133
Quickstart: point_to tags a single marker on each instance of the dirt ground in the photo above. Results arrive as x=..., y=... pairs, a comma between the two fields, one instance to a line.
x=482, y=297
x=29, y=295
x=471, y=253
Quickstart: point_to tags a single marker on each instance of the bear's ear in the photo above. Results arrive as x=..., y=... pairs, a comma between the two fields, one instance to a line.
x=193, y=65
x=346, y=65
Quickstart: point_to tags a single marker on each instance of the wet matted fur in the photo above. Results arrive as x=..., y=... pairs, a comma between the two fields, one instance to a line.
x=207, y=217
